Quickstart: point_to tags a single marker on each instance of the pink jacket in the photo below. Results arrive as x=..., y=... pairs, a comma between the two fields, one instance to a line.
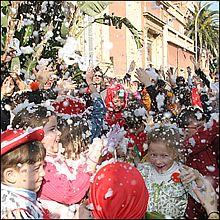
x=59, y=187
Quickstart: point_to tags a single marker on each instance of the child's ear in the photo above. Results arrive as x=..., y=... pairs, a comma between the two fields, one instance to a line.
x=10, y=175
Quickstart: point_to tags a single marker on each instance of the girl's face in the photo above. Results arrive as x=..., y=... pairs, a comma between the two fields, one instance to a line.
x=160, y=156
x=51, y=136
x=118, y=103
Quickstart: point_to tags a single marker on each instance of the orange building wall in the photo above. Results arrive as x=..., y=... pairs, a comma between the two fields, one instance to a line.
x=177, y=25
x=178, y=57
x=152, y=9
x=142, y=28
x=172, y=55
x=118, y=38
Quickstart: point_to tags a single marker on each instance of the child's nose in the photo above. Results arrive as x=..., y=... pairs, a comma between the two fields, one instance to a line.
x=42, y=172
x=58, y=133
x=158, y=161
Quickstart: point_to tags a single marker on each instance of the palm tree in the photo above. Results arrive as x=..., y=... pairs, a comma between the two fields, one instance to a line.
x=208, y=31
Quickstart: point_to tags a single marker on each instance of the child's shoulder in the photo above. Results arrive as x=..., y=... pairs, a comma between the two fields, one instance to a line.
x=12, y=201
x=144, y=168
x=144, y=165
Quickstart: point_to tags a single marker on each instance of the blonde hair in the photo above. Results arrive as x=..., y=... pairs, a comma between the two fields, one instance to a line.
x=170, y=136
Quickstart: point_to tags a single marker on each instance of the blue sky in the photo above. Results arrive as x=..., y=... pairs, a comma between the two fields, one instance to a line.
x=213, y=6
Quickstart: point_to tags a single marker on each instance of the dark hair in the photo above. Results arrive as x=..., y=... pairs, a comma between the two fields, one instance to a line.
x=187, y=115
x=180, y=79
x=132, y=120
x=160, y=83
x=32, y=116
x=29, y=153
x=3, y=76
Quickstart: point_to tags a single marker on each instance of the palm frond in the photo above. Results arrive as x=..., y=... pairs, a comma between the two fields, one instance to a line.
x=92, y=8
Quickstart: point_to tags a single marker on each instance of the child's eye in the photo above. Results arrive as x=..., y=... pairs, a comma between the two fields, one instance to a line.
x=37, y=168
x=52, y=129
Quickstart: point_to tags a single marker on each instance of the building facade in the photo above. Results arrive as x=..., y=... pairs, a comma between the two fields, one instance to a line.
x=164, y=43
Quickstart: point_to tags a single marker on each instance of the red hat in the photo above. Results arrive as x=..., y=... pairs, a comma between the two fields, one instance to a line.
x=70, y=106
x=10, y=139
x=118, y=192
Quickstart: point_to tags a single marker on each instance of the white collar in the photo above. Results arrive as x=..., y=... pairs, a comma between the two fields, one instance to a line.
x=23, y=192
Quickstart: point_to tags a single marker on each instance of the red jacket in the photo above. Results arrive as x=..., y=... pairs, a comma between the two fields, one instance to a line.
x=196, y=98
x=137, y=140
x=203, y=156
x=113, y=118
x=204, y=153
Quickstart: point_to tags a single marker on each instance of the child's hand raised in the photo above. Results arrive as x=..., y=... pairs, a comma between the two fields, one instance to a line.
x=89, y=75
x=143, y=76
x=196, y=65
x=189, y=174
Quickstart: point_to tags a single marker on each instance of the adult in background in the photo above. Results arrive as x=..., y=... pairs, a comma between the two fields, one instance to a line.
x=10, y=82
x=201, y=151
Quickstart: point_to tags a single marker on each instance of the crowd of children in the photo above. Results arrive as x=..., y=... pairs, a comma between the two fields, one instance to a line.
x=110, y=148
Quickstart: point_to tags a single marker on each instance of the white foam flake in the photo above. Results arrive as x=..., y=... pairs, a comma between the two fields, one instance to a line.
x=69, y=121
x=99, y=208
x=133, y=182
x=140, y=112
x=109, y=193
x=203, y=141
x=66, y=103
x=19, y=165
x=192, y=141
x=145, y=146
x=90, y=206
x=27, y=50
x=210, y=168
x=101, y=176
x=160, y=101
x=198, y=115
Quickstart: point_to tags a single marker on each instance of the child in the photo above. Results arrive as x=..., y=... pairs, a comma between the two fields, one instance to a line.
x=115, y=101
x=135, y=117
x=22, y=172
x=65, y=184
x=167, y=180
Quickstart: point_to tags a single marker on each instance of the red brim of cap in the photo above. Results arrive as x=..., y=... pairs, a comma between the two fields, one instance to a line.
x=10, y=139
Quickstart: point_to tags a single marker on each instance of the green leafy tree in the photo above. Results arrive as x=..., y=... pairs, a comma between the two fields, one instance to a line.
x=42, y=28
x=208, y=31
